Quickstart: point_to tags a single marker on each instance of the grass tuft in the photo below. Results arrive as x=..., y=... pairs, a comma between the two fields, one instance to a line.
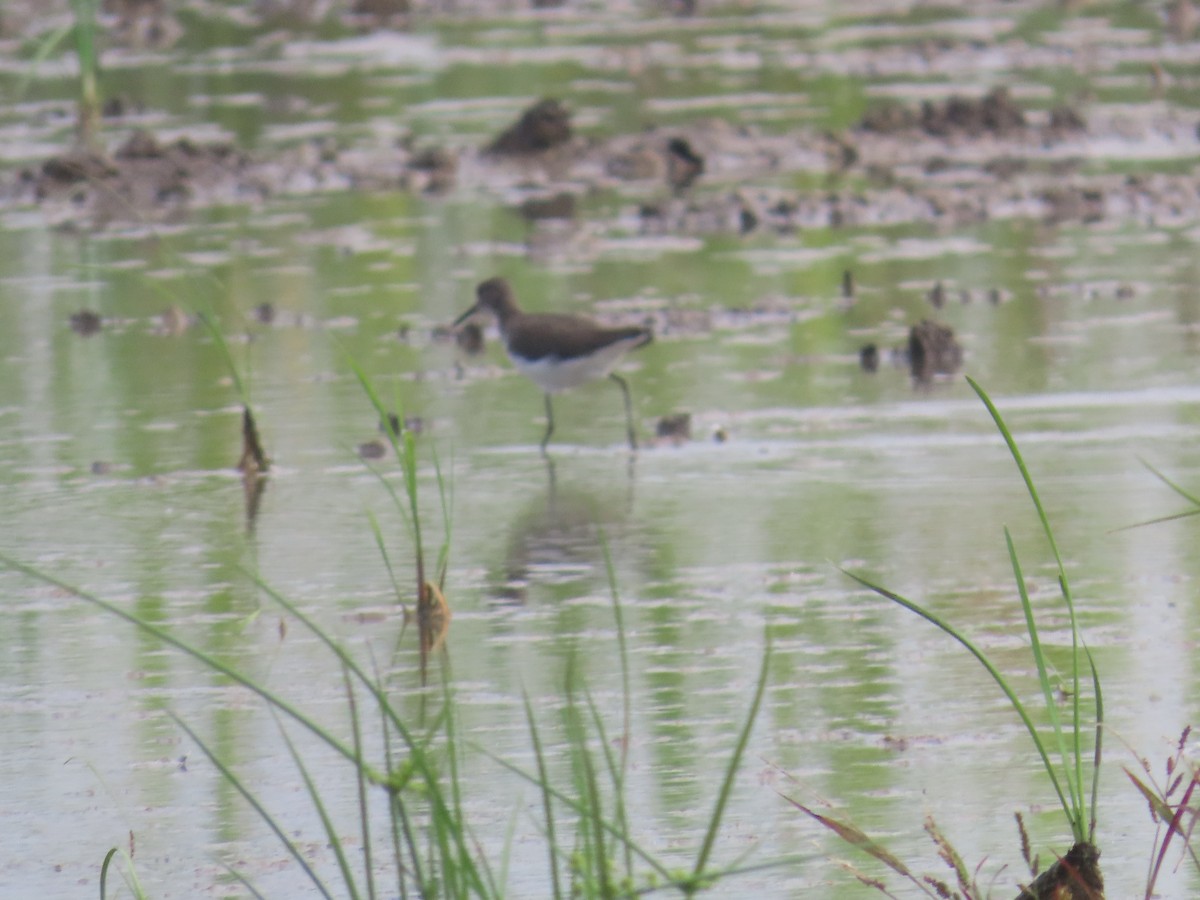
x=1059, y=744
x=88, y=123
x=1171, y=807
x=428, y=848
x=128, y=871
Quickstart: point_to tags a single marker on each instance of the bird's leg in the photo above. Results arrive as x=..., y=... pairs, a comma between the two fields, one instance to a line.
x=549, y=424
x=628, y=409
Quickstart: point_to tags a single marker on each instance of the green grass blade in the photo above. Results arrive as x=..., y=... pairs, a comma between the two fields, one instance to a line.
x=735, y=760
x=236, y=783
x=422, y=765
x=243, y=881
x=622, y=648
x=1159, y=520
x=446, y=498
x=45, y=48
x=474, y=867
x=592, y=828
x=314, y=794
x=108, y=857
x=207, y=319
x=626, y=693
x=360, y=784
x=979, y=655
x=1020, y=461
x=288, y=709
x=1099, y=694
x=543, y=782
x=395, y=820
x=1065, y=587
x=405, y=448
x=377, y=532
x=856, y=837
x=343, y=656
x=1189, y=497
x=400, y=814
x=1074, y=790
x=616, y=774
x=580, y=809
x=396, y=499
x=510, y=834
x=89, y=70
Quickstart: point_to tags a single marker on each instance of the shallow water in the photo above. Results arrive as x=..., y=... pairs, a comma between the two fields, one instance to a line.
x=717, y=545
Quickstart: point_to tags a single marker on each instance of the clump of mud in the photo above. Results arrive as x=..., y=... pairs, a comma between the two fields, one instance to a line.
x=674, y=428
x=995, y=113
x=380, y=9
x=86, y=322
x=557, y=206
x=868, y=358
x=541, y=127
x=933, y=350
x=1075, y=876
x=684, y=165
x=142, y=175
x=142, y=24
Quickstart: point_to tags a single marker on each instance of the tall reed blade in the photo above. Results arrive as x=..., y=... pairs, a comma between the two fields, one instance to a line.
x=732, y=768
x=1067, y=776
x=1074, y=774
x=88, y=123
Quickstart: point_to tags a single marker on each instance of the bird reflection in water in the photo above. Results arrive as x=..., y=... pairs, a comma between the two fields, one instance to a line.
x=555, y=538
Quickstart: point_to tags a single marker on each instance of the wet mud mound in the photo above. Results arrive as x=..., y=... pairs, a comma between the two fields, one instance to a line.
x=542, y=127
x=956, y=161
x=1075, y=876
x=995, y=113
x=933, y=350
x=142, y=178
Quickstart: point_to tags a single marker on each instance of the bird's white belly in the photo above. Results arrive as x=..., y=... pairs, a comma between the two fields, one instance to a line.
x=553, y=375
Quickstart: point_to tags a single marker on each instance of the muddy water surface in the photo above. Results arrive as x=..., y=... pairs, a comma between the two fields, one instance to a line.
x=333, y=170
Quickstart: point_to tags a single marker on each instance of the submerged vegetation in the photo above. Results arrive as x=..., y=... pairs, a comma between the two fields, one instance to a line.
x=88, y=55
x=1072, y=765
x=428, y=845
x=1070, y=751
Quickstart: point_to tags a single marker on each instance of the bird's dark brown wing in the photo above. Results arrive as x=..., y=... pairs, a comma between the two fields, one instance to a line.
x=541, y=335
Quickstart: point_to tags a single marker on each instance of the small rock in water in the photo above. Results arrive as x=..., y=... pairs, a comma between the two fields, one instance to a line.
x=747, y=219
x=469, y=338
x=542, y=126
x=86, y=322
x=684, y=165
x=933, y=349
x=438, y=167
x=868, y=358
x=73, y=168
x=560, y=206
x=675, y=428
x=380, y=9
x=142, y=144
x=415, y=424
x=373, y=449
